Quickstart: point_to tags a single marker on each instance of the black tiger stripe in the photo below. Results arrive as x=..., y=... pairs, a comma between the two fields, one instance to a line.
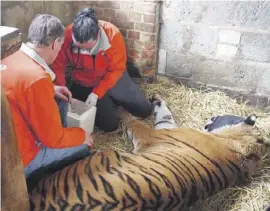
x=108, y=165
x=51, y=208
x=109, y=206
x=235, y=166
x=128, y=201
x=62, y=204
x=134, y=186
x=155, y=191
x=89, y=173
x=78, y=207
x=212, y=185
x=117, y=155
x=119, y=173
x=43, y=189
x=108, y=188
x=212, y=161
x=79, y=189
x=54, y=191
x=218, y=180
x=193, y=179
x=66, y=185
x=204, y=182
x=102, y=159
x=92, y=201
x=167, y=182
x=179, y=180
x=57, y=178
x=175, y=165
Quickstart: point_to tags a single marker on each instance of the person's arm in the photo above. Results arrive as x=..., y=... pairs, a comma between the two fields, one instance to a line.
x=44, y=117
x=118, y=58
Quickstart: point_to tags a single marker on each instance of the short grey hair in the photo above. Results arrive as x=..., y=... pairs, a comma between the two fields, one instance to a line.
x=44, y=29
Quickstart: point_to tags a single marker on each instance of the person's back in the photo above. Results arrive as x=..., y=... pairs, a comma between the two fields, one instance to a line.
x=38, y=112
x=16, y=80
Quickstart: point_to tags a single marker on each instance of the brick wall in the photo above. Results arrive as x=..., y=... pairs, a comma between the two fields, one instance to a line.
x=138, y=23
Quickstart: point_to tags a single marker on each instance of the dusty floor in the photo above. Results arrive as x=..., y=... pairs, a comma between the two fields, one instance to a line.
x=193, y=108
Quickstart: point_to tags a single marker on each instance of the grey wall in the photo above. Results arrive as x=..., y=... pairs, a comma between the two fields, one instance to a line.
x=19, y=14
x=222, y=43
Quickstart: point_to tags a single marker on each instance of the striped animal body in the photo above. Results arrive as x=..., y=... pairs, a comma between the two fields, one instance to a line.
x=169, y=169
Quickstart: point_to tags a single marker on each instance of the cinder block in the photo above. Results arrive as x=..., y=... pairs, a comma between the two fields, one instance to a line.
x=229, y=36
x=226, y=52
x=204, y=40
x=162, y=60
x=255, y=47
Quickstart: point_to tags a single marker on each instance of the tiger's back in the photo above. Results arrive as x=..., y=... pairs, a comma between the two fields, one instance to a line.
x=179, y=167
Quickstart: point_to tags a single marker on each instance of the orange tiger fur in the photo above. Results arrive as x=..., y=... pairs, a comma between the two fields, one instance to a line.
x=170, y=169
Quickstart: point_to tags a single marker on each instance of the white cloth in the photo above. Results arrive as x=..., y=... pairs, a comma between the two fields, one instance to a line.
x=91, y=100
x=34, y=55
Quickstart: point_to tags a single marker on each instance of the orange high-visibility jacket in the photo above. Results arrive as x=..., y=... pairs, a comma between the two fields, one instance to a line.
x=101, y=71
x=30, y=92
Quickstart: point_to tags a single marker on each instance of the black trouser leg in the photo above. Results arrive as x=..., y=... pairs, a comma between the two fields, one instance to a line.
x=125, y=93
x=128, y=94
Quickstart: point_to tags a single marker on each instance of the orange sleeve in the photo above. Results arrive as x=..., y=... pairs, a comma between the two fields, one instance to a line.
x=118, y=58
x=44, y=117
x=59, y=66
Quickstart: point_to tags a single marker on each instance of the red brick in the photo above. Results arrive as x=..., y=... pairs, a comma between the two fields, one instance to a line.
x=145, y=27
x=122, y=15
x=145, y=7
x=108, y=4
x=148, y=53
x=109, y=13
x=123, y=32
x=134, y=54
x=149, y=45
x=129, y=44
x=134, y=35
x=135, y=16
x=149, y=18
x=126, y=24
x=148, y=72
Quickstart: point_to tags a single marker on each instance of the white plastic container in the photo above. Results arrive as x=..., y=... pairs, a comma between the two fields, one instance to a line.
x=80, y=116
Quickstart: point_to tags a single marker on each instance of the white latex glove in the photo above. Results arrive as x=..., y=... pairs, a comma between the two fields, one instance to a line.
x=91, y=100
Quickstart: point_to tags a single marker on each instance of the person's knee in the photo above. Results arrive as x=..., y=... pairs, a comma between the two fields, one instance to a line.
x=109, y=125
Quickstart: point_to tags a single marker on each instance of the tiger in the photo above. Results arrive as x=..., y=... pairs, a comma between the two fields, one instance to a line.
x=170, y=167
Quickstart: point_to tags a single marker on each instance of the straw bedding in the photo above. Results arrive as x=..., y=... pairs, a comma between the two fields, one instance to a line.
x=193, y=108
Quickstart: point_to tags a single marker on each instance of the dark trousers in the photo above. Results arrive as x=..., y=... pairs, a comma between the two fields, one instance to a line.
x=125, y=93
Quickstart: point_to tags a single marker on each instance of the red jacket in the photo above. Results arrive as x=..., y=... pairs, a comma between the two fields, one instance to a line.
x=101, y=72
x=30, y=93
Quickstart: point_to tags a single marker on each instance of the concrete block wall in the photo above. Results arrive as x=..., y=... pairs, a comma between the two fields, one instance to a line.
x=19, y=14
x=222, y=44
x=138, y=22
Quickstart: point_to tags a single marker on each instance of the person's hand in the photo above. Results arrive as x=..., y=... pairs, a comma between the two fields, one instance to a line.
x=62, y=92
x=91, y=100
x=88, y=140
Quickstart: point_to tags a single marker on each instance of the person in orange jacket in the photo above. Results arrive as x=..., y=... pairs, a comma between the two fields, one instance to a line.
x=27, y=81
x=95, y=52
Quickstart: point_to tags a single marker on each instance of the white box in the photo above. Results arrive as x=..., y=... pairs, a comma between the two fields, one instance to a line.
x=80, y=116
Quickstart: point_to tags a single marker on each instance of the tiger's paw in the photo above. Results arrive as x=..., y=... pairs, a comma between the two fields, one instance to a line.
x=155, y=100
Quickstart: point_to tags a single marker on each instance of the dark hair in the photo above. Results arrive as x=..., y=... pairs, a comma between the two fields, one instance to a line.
x=44, y=29
x=85, y=26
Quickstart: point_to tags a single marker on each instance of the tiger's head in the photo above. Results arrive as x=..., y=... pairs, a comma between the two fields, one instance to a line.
x=243, y=137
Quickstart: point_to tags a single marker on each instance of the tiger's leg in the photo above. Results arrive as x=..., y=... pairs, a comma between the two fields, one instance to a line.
x=137, y=132
x=163, y=117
